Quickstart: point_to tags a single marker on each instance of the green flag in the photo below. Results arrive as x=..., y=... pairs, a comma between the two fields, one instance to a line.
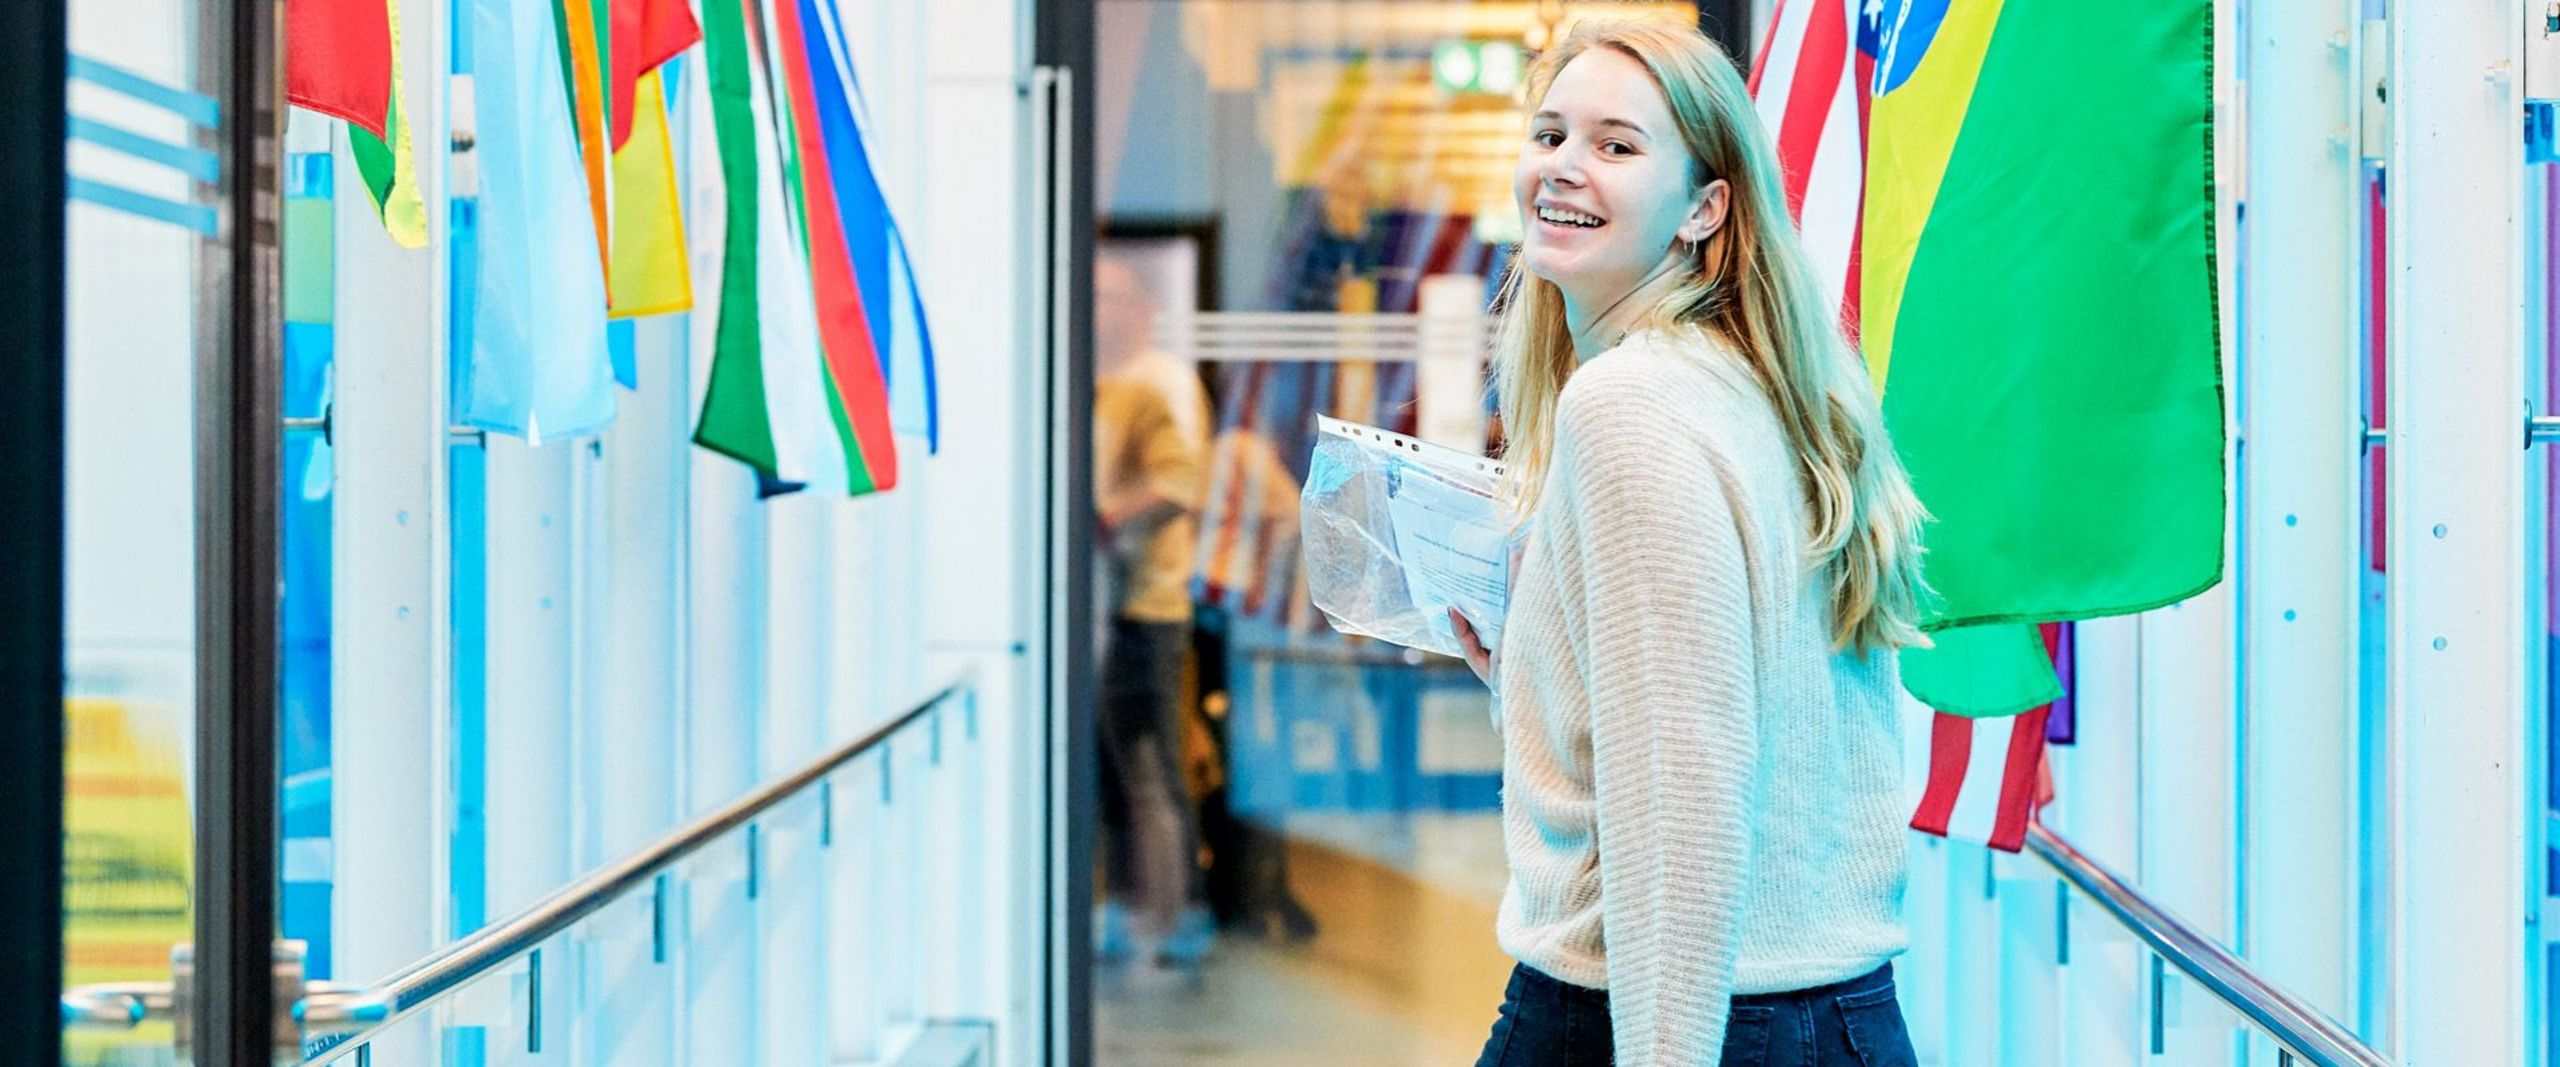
x=734, y=422
x=2038, y=307
x=387, y=164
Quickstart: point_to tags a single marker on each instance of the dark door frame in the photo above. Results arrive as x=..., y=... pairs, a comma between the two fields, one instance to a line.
x=1063, y=38
x=34, y=42
x=1729, y=23
x=239, y=431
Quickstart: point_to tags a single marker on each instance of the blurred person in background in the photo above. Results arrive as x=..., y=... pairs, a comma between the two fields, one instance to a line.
x=1248, y=875
x=1149, y=455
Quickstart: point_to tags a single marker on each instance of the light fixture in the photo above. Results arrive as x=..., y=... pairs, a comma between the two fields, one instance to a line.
x=1455, y=66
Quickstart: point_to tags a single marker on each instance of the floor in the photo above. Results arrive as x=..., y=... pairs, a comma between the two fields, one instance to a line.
x=1403, y=969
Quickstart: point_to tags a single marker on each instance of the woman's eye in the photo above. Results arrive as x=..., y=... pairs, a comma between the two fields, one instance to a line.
x=1618, y=148
x=1547, y=138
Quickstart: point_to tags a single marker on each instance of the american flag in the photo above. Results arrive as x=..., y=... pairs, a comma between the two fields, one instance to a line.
x=1975, y=779
x=1811, y=85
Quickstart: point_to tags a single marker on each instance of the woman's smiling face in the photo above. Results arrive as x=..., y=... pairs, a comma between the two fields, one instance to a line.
x=1604, y=181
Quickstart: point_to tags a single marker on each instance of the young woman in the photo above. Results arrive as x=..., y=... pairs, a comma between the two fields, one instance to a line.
x=1702, y=794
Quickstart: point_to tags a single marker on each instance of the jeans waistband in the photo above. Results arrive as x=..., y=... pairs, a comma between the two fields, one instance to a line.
x=1875, y=979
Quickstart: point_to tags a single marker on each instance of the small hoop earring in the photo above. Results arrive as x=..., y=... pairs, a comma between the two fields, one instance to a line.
x=1691, y=247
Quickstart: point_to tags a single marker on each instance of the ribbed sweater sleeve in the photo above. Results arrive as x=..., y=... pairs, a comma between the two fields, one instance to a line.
x=1668, y=608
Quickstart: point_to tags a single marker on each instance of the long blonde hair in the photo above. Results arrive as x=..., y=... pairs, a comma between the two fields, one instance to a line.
x=1749, y=284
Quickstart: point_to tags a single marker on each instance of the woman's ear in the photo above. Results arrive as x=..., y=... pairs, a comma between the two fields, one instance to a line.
x=1708, y=217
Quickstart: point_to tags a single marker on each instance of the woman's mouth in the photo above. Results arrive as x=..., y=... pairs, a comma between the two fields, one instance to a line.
x=1570, y=218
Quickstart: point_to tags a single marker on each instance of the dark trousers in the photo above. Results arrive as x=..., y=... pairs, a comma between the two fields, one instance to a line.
x=1856, y=1023
x=1150, y=832
x=1247, y=880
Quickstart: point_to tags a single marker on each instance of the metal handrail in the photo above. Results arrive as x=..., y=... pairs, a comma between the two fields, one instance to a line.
x=2302, y=1030
x=114, y=1005
x=351, y=1016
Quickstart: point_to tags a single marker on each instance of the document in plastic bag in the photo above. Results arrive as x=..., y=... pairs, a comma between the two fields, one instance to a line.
x=1397, y=531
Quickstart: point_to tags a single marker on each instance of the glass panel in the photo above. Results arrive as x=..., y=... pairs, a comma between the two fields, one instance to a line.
x=2542, y=488
x=136, y=222
x=310, y=212
x=2373, y=838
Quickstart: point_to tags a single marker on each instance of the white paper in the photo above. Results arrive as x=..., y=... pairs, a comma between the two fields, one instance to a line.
x=1446, y=542
x=1455, y=549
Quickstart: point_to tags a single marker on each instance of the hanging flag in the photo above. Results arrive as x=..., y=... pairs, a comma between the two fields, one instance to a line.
x=814, y=444
x=538, y=362
x=915, y=397
x=733, y=420
x=338, y=57
x=580, y=41
x=815, y=115
x=1982, y=778
x=645, y=35
x=774, y=400
x=705, y=192
x=1811, y=90
x=1986, y=778
x=647, y=269
x=2037, y=295
x=817, y=300
x=885, y=274
x=390, y=171
x=342, y=59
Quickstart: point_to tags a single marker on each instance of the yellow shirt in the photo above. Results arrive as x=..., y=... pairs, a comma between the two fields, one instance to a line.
x=1138, y=445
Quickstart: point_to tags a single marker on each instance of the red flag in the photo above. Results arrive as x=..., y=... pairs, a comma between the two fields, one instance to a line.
x=844, y=329
x=338, y=60
x=646, y=33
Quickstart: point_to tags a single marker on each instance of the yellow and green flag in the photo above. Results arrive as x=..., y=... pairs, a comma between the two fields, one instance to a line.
x=2038, y=307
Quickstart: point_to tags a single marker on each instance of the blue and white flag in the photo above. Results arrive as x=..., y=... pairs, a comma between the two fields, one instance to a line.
x=538, y=363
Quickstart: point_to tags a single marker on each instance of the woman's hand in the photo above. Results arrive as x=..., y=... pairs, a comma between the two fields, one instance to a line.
x=1479, y=658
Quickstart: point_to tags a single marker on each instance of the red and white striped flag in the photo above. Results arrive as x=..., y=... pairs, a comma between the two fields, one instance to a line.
x=1984, y=778
x=1974, y=779
x=1811, y=87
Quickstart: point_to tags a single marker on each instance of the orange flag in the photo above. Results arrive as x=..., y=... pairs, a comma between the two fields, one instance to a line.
x=586, y=96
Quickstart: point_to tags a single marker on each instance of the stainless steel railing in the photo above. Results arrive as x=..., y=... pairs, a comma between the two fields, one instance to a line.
x=350, y=1015
x=2300, y=1031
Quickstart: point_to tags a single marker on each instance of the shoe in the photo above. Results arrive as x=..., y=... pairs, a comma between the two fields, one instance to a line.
x=1192, y=938
x=1112, y=940
x=1297, y=924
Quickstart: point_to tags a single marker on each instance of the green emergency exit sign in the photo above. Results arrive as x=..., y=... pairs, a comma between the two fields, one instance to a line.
x=1476, y=66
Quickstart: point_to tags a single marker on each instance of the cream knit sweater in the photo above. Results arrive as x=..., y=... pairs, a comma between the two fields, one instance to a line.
x=1699, y=797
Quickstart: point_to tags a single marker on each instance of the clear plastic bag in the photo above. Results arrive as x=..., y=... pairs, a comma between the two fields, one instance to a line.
x=1395, y=531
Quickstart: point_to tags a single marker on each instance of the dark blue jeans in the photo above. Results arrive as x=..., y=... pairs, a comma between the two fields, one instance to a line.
x=1857, y=1023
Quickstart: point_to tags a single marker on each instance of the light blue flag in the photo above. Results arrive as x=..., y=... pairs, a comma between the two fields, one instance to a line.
x=539, y=365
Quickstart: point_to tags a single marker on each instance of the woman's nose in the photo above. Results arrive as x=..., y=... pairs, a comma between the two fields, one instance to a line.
x=1561, y=167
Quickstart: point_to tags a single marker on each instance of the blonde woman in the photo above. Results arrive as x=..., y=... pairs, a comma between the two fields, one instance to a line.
x=1701, y=774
